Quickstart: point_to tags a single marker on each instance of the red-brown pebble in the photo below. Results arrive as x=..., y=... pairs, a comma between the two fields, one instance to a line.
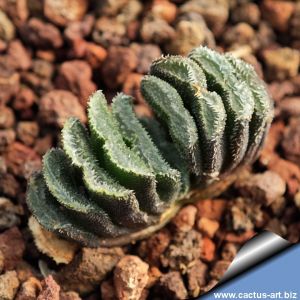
x=130, y=277
x=12, y=247
x=50, y=289
x=76, y=76
x=208, y=249
x=208, y=227
x=171, y=286
x=185, y=219
x=120, y=62
x=211, y=208
x=58, y=105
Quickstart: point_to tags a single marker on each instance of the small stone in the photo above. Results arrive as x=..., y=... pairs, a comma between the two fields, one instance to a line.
x=131, y=87
x=289, y=172
x=50, y=289
x=210, y=285
x=118, y=65
x=183, y=250
x=111, y=7
x=197, y=278
x=9, y=214
x=265, y=35
x=1, y=262
x=7, y=117
x=9, y=82
x=297, y=199
x=43, y=68
x=130, y=13
x=263, y=188
x=239, y=35
x=110, y=32
x=24, y=99
x=163, y=9
x=76, y=76
x=27, y=132
x=281, y=63
x=18, y=55
x=278, y=206
x=69, y=296
x=7, y=28
x=185, y=219
x=293, y=232
x=9, y=284
x=21, y=160
x=171, y=286
x=48, y=55
x=25, y=270
x=155, y=246
x=35, y=7
x=79, y=30
x=246, y=12
x=95, y=55
x=277, y=227
x=9, y=186
x=7, y=137
x=29, y=289
x=17, y=10
x=272, y=141
x=89, y=267
x=215, y=12
x=154, y=275
x=291, y=141
x=60, y=250
x=191, y=32
x=229, y=251
x=211, y=208
x=208, y=250
x=145, y=53
x=239, y=238
x=108, y=291
x=156, y=31
x=3, y=166
x=43, y=144
x=278, y=90
x=244, y=213
x=208, y=227
x=219, y=269
x=278, y=13
x=289, y=107
x=65, y=11
x=295, y=23
x=41, y=34
x=58, y=105
x=130, y=277
x=12, y=247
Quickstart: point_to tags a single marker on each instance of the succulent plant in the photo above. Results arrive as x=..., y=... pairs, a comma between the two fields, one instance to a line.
x=124, y=176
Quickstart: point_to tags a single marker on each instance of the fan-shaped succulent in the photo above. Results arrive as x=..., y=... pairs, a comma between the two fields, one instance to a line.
x=124, y=177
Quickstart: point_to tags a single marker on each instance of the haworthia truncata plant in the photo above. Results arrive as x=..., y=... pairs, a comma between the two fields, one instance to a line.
x=123, y=177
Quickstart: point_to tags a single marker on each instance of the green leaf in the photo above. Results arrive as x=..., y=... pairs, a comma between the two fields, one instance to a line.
x=263, y=106
x=168, y=150
x=169, y=108
x=123, y=163
x=206, y=107
x=119, y=202
x=237, y=99
x=61, y=179
x=168, y=179
x=52, y=216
